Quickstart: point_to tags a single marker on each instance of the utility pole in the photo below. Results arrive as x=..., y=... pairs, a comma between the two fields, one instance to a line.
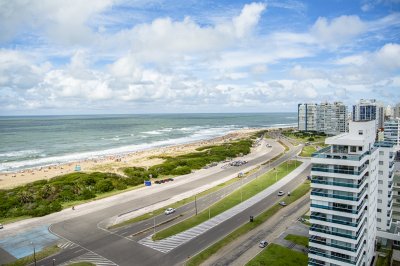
x=34, y=252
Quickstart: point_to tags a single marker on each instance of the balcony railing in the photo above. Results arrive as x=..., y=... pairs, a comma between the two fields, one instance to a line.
x=313, y=239
x=339, y=171
x=341, y=184
x=316, y=228
x=313, y=251
x=335, y=196
x=340, y=209
x=321, y=218
x=327, y=154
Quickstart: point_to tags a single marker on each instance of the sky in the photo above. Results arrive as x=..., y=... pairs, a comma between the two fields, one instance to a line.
x=174, y=56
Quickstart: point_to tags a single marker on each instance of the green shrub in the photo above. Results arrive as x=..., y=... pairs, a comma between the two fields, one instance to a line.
x=104, y=186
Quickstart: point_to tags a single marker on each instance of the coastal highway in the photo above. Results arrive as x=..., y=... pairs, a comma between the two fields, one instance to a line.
x=119, y=248
x=122, y=251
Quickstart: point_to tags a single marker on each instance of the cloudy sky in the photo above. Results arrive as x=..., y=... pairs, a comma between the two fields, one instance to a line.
x=155, y=56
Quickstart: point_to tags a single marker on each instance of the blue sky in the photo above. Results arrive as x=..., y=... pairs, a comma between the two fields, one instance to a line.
x=105, y=56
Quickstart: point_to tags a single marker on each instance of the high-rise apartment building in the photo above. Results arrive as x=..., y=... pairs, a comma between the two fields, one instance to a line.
x=350, y=197
x=330, y=118
x=366, y=110
x=396, y=111
x=392, y=132
x=307, y=117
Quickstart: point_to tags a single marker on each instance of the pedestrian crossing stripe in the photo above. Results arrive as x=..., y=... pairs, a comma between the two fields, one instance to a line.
x=92, y=258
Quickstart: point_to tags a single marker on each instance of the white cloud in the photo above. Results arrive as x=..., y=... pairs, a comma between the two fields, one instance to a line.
x=248, y=18
x=338, y=30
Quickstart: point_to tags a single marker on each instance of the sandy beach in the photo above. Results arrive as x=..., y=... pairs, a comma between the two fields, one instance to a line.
x=113, y=163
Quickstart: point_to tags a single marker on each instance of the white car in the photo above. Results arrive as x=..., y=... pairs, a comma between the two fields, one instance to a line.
x=282, y=203
x=281, y=193
x=169, y=211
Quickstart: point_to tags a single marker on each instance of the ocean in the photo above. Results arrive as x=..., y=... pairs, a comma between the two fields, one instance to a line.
x=34, y=141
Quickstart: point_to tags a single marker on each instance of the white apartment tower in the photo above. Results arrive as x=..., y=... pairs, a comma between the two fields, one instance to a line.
x=366, y=110
x=307, y=117
x=392, y=132
x=330, y=118
x=344, y=198
x=351, y=197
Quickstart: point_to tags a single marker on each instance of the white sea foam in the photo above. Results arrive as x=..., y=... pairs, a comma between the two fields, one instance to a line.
x=20, y=153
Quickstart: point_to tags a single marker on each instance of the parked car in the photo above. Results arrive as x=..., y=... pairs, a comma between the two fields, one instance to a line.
x=1, y=226
x=281, y=193
x=170, y=179
x=157, y=182
x=263, y=244
x=169, y=211
x=282, y=203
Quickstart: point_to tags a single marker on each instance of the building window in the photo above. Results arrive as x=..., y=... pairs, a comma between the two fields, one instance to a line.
x=380, y=162
x=381, y=152
x=379, y=201
x=379, y=210
x=353, y=148
x=379, y=191
x=359, y=148
x=380, y=182
x=360, y=132
x=379, y=220
x=380, y=172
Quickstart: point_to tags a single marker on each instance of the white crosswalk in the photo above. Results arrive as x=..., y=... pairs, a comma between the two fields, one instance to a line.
x=92, y=258
x=67, y=245
x=168, y=244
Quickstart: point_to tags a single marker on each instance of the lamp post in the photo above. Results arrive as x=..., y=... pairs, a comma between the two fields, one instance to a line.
x=34, y=252
x=54, y=262
x=195, y=203
x=154, y=224
x=241, y=190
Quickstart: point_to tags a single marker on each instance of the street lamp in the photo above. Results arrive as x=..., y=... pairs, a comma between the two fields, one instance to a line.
x=54, y=262
x=195, y=203
x=34, y=252
x=154, y=224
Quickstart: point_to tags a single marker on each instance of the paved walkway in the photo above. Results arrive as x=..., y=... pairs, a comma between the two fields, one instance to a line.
x=167, y=244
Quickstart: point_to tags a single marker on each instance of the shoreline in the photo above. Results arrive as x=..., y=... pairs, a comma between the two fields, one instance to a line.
x=112, y=163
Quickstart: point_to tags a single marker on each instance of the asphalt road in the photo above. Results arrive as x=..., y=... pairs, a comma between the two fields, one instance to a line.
x=121, y=250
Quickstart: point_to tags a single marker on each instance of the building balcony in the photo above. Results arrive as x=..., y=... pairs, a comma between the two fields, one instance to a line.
x=335, y=196
x=317, y=240
x=316, y=252
x=357, y=211
x=336, y=221
x=326, y=153
x=341, y=184
x=339, y=171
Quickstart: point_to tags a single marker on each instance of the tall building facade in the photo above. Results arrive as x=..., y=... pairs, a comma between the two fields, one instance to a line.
x=307, y=117
x=330, y=118
x=348, y=190
x=396, y=111
x=392, y=132
x=366, y=110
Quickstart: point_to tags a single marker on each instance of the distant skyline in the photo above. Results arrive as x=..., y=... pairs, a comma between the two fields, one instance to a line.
x=117, y=57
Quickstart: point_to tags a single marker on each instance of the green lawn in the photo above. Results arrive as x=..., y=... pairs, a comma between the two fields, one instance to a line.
x=307, y=151
x=248, y=191
x=206, y=253
x=298, y=240
x=48, y=251
x=276, y=255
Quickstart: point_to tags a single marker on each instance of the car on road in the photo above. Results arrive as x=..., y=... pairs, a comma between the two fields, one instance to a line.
x=263, y=244
x=157, y=182
x=169, y=211
x=1, y=226
x=281, y=193
x=282, y=203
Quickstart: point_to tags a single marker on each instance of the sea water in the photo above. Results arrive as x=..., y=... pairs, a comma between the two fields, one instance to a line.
x=34, y=141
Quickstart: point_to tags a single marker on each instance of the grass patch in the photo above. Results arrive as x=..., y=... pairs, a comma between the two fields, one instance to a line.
x=284, y=145
x=276, y=255
x=48, y=251
x=298, y=240
x=248, y=191
x=303, y=137
x=307, y=151
x=8, y=220
x=206, y=253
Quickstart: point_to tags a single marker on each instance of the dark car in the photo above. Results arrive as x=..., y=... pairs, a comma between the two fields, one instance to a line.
x=158, y=182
